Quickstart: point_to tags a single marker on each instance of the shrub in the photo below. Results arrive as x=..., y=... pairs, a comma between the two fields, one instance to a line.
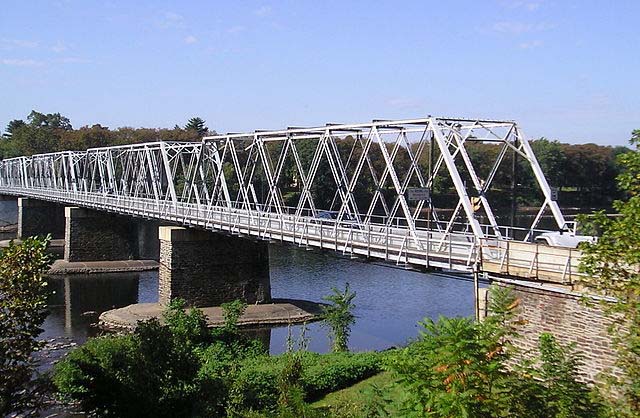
x=149, y=373
x=92, y=374
x=555, y=390
x=331, y=372
x=458, y=367
x=338, y=316
x=22, y=311
x=321, y=373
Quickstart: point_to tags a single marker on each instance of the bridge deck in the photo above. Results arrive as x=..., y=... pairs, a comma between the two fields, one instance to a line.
x=395, y=244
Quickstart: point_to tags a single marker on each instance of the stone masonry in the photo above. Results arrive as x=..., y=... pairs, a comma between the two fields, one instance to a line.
x=98, y=236
x=207, y=268
x=39, y=217
x=564, y=315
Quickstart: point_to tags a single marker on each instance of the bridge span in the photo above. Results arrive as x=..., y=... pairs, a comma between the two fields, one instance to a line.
x=406, y=192
x=364, y=190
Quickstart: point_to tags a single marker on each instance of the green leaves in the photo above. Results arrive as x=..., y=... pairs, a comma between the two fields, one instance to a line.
x=462, y=368
x=339, y=317
x=612, y=264
x=22, y=311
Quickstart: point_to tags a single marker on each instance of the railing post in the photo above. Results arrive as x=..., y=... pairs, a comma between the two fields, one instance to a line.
x=368, y=240
x=476, y=290
x=386, y=249
x=450, y=252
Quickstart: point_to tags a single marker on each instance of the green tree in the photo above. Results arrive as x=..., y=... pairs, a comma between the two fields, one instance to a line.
x=612, y=263
x=458, y=367
x=12, y=127
x=552, y=160
x=197, y=124
x=463, y=368
x=49, y=120
x=339, y=317
x=22, y=312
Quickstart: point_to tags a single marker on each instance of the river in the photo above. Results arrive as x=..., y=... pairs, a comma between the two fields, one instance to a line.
x=389, y=303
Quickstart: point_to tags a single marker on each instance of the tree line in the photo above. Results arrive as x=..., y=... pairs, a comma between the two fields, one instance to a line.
x=585, y=174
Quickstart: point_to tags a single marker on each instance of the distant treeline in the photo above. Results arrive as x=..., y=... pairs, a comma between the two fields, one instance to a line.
x=585, y=174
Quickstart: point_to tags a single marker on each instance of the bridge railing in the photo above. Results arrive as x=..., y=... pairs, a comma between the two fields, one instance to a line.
x=392, y=243
x=533, y=261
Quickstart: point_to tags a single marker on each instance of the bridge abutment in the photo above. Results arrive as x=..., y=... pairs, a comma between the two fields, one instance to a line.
x=40, y=217
x=207, y=269
x=565, y=315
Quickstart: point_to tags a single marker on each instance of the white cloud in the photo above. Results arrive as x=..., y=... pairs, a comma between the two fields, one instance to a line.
x=262, y=11
x=529, y=5
x=59, y=47
x=21, y=62
x=530, y=45
x=236, y=29
x=190, y=39
x=9, y=44
x=520, y=27
x=170, y=20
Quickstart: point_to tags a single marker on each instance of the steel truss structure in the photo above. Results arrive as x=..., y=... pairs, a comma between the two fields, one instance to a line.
x=345, y=187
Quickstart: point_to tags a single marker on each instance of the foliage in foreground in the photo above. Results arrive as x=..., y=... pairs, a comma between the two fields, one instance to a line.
x=22, y=311
x=156, y=371
x=459, y=368
x=614, y=260
x=339, y=317
x=184, y=369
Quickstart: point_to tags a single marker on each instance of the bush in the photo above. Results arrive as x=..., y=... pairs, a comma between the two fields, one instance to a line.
x=91, y=374
x=257, y=381
x=23, y=298
x=331, y=372
x=149, y=373
x=178, y=369
x=458, y=367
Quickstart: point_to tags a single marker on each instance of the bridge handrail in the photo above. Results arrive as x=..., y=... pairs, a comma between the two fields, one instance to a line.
x=532, y=260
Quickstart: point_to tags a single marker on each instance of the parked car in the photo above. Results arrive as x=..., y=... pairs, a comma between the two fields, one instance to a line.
x=563, y=239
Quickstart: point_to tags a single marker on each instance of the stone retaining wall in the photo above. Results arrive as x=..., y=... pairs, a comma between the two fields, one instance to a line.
x=564, y=315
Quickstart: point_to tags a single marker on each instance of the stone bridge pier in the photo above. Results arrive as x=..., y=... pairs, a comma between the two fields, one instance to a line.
x=40, y=217
x=207, y=269
x=99, y=236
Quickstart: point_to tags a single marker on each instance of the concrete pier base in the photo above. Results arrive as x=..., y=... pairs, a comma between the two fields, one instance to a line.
x=207, y=269
x=280, y=312
x=39, y=217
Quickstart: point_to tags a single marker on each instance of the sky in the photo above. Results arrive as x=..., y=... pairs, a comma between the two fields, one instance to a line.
x=563, y=69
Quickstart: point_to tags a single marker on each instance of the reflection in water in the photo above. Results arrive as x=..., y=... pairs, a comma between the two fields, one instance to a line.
x=389, y=301
x=77, y=300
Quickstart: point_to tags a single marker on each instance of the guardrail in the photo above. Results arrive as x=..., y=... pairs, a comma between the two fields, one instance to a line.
x=391, y=243
x=531, y=261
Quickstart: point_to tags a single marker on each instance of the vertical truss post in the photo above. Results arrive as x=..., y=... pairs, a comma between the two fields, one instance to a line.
x=455, y=176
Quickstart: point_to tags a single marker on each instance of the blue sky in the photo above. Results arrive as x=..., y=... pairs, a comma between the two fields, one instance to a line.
x=566, y=70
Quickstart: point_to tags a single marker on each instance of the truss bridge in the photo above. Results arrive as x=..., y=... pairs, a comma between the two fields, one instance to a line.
x=419, y=193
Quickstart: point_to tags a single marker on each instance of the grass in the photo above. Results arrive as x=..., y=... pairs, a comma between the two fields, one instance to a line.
x=353, y=400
